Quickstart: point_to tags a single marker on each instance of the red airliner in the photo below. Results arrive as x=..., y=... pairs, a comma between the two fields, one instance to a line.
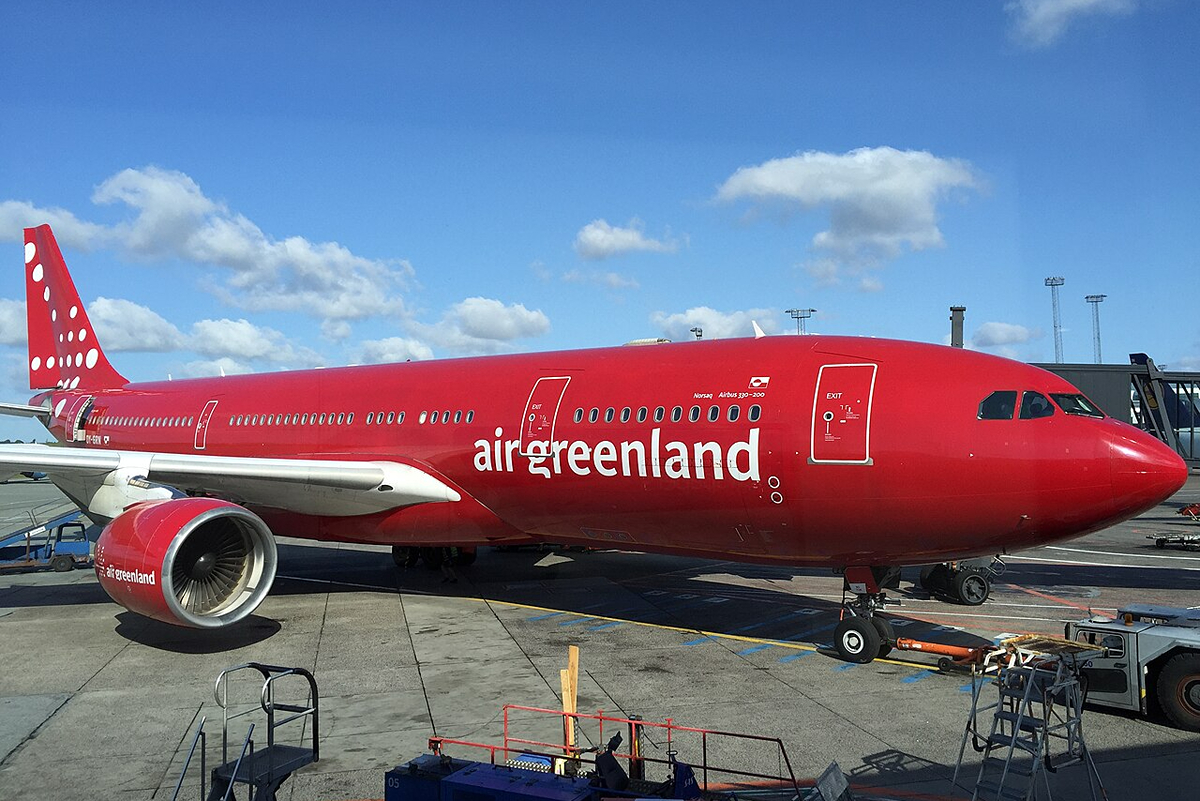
x=844, y=452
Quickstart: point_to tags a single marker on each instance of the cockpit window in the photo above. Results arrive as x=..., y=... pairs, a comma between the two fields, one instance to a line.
x=1000, y=405
x=1035, y=405
x=1076, y=404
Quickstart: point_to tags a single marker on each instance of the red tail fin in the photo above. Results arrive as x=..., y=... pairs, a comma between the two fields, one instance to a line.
x=63, y=349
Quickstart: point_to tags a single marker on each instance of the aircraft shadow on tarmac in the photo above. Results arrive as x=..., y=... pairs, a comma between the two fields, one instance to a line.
x=153, y=634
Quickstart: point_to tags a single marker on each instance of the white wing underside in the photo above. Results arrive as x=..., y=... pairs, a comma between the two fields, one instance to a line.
x=100, y=481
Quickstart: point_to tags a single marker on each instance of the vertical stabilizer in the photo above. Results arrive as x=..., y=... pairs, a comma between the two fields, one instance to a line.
x=63, y=349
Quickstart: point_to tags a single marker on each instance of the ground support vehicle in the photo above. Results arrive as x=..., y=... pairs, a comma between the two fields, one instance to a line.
x=60, y=544
x=1150, y=652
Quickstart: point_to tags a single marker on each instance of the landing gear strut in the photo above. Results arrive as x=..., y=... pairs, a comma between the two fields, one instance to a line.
x=861, y=635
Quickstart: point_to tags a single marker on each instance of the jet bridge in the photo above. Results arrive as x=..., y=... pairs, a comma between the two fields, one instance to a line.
x=1162, y=403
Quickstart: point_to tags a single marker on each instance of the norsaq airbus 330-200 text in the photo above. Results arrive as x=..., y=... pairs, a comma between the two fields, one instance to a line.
x=851, y=453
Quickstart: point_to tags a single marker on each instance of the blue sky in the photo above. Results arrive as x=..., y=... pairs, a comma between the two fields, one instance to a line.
x=254, y=187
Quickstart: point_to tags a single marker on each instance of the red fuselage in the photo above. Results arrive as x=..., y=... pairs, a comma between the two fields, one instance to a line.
x=804, y=450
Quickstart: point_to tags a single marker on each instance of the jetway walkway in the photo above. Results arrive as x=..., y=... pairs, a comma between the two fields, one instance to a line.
x=1163, y=403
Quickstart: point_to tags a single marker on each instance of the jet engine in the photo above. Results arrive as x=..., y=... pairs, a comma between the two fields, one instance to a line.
x=199, y=562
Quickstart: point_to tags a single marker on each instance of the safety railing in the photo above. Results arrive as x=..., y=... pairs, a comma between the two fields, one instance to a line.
x=669, y=737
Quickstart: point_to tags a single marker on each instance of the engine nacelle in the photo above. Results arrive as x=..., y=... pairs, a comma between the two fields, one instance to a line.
x=199, y=562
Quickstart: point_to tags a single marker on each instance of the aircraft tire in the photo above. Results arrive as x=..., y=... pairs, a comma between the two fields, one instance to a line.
x=62, y=563
x=1179, y=690
x=935, y=579
x=972, y=586
x=856, y=640
x=887, y=635
x=405, y=555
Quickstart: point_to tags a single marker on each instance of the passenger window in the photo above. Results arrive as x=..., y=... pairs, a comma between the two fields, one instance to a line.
x=304, y=419
x=1035, y=405
x=322, y=418
x=470, y=415
x=350, y=418
x=370, y=417
x=625, y=414
x=659, y=414
x=755, y=413
x=400, y=418
x=676, y=414
x=445, y=417
x=734, y=411
x=392, y=415
x=593, y=415
x=609, y=414
x=458, y=416
x=642, y=412
x=579, y=415
x=694, y=414
x=1000, y=405
x=421, y=419
x=714, y=414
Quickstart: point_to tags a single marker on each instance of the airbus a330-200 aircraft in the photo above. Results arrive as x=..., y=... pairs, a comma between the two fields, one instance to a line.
x=844, y=452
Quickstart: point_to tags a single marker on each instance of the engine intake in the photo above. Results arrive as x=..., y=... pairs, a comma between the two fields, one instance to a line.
x=199, y=562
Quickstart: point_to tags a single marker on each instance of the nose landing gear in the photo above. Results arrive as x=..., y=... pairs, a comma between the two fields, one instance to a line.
x=861, y=636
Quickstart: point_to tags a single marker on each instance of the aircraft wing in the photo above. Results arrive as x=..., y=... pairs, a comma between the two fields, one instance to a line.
x=106, y=481
x=22, y=410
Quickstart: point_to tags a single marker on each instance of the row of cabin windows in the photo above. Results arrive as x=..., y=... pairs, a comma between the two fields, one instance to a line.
x=346, y=418
x=104, y=418
x=1001, y=404
x=315, y=419
x=660, y=413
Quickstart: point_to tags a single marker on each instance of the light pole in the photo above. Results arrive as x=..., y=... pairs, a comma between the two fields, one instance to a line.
x=1096, y=300
x=1054, y=284
x=800, y=315
x=698, y=331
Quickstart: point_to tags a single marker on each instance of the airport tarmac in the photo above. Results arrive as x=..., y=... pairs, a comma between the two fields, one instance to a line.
x=96, y=702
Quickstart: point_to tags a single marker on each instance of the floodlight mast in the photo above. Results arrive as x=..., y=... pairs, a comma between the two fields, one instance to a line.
x=1096, y=300
x=698, y=331
x=1054, y=283
x=800, y=315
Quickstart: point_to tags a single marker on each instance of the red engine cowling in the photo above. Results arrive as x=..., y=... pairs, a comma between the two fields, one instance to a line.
x=199, y=562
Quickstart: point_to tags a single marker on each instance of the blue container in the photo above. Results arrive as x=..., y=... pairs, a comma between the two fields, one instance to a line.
x=420, y=778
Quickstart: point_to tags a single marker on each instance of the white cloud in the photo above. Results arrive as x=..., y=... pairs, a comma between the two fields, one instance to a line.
x=483, y=325
x=1040, y=23
x=608, y=280
x=174, y=219
x=242, y=339
x=991, y=335
x=392, y=349
x=869, y=283
x=122, y=325
x=12, y=322
x=210, y=367
x=599, y=240
x=69, y=230
x=880, y=200
x=716, y=324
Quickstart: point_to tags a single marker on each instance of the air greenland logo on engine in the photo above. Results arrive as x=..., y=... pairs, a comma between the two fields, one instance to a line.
x=130, y=576
x=629, y=458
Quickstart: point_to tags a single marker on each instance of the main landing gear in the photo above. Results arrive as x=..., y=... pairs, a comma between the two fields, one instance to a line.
x=967, y=582
x=861, y=635
x=410, y=555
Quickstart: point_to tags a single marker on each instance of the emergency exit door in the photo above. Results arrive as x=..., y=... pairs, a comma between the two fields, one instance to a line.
x=541, y=411
x=841, y=423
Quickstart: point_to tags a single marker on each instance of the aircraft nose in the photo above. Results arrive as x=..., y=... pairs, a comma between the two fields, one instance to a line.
x=1145, y=472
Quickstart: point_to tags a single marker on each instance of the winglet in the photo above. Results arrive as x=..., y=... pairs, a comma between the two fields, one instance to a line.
x=758, y=332
x=63, y=349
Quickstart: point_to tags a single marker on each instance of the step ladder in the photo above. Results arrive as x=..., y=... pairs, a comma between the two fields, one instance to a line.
x=1036, y=724
x=262, y=769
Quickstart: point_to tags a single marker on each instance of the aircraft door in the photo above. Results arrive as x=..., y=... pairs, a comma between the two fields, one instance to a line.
x=541, y=411
x=76, y=417
x=841, y=423
x=202, y=425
